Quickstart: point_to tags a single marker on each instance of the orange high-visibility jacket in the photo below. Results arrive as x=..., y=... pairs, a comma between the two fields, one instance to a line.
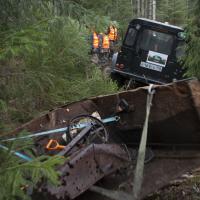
x=112, y=33
x=95, y=40
x=106, y=42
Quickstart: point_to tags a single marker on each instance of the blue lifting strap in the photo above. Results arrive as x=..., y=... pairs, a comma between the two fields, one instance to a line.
x=18, y=154
x=61, y=130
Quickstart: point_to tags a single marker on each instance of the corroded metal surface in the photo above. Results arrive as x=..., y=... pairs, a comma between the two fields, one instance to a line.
x=85, y=168
x=167, y=167
x=175, y=113
x=174, y=121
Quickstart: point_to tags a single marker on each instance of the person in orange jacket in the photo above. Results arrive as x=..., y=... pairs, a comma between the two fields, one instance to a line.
x=95, y=42
x=112, y=32
x=104, y=47
x=113, y=37
x=106, y=43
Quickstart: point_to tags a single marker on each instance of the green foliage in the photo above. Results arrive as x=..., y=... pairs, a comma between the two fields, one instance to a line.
x=16, y=176
x=172, y=11
x=43, y=53
x=44, y=62
x=110, y=11
x=94, y=84
x=192, y=61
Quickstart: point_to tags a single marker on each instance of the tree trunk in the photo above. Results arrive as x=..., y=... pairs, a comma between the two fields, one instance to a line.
x=134, y=7
x=154, y=9
x=150, y=9
x=146, y=9
x=142, y=7
x=138, y=8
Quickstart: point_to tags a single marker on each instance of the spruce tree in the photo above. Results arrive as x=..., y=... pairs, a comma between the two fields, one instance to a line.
x=172, y=11
x=18, y=178
x=192, y=61
x=44, y=62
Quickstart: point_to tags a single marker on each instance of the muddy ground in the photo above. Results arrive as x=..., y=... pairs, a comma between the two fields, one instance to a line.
x=169, y=175
x=188, y=189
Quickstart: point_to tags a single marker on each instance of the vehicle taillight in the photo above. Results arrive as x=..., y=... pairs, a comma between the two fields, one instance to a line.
x=121, y=66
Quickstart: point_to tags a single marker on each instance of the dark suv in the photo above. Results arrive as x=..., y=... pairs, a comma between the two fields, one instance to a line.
x=150, y=53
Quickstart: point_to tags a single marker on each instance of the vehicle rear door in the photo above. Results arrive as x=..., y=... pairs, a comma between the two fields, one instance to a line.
x=153, y=49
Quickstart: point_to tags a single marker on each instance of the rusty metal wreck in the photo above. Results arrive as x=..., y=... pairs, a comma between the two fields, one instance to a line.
x=174, y=122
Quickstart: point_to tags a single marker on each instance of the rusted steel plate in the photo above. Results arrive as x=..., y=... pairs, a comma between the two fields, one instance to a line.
x=174, y=115
x=85, y=168
x=174, y=120
x=167, y=167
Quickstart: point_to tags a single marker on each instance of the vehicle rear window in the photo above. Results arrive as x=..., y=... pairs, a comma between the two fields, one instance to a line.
x=130, y=38
x=151, y=40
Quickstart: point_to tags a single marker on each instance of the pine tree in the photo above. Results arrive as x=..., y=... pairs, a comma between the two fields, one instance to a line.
x=44, y=62
x=172, y=11
x=44, y=55
x=17, y=176
x=192, y=61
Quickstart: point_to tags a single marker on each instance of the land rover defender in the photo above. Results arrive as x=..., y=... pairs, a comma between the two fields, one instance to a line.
x=151, y=52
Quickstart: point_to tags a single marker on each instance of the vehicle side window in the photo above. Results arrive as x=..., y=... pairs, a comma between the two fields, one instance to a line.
x=130, y=38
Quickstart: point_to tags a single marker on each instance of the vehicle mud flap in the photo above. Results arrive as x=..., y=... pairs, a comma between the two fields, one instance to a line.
x=85, y=168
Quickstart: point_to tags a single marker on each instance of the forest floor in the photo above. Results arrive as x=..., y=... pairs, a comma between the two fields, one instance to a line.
x=188, y=189
x=164, y=179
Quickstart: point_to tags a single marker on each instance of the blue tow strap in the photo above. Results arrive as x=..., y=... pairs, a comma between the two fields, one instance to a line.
x=18, y=154
x=61, y=130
